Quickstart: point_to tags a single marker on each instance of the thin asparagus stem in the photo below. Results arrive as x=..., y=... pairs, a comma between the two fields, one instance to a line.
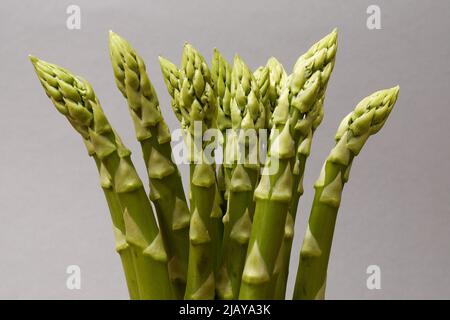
x=76, y=100
x=153, y=134
x=221, y=76
x=248, y=116
x=368, y=118
x=262, y=77
x=195, y=104
x=296, y=108
x=115, y=209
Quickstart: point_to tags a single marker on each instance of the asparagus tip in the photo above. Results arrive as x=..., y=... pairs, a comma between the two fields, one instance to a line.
x=33, y=59
x=333, y=35
x=113, y=37
x=396, y=89
x=394, y=92
x=163, y=62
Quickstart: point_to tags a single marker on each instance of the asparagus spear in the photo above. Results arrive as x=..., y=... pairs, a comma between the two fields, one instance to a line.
x=262, y=77
x=248, y=116
x=76, y=100
x=303, y=149
x=154, y=136
x=368, y=118
x=281, y=270
x=295, y=111
x=196, y=106
x=221, y=77
x=115, y=209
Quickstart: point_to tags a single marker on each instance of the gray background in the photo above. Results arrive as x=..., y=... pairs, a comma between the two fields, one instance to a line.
x=395, y=211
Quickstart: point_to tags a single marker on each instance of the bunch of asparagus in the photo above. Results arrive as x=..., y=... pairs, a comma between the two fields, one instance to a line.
x=233, y=240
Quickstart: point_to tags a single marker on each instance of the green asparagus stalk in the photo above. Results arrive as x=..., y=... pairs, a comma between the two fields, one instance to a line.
x=292, y=118
x=368, y=118
x=122, y=247
x=303, y=149
x=195, y=104
x=116, y=212
x=262, y=77
x=76, y=100
x=248, y=116
x=221, y=76
x=166, y=188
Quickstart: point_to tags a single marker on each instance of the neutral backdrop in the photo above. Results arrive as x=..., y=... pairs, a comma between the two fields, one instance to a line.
x=395, y=211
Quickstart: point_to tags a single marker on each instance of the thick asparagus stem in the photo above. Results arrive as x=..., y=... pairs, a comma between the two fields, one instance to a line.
x=293, y=116
x=368, y=118
x=166, y=187
x=75, y=99
x=195, y=105
x=248, y=116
